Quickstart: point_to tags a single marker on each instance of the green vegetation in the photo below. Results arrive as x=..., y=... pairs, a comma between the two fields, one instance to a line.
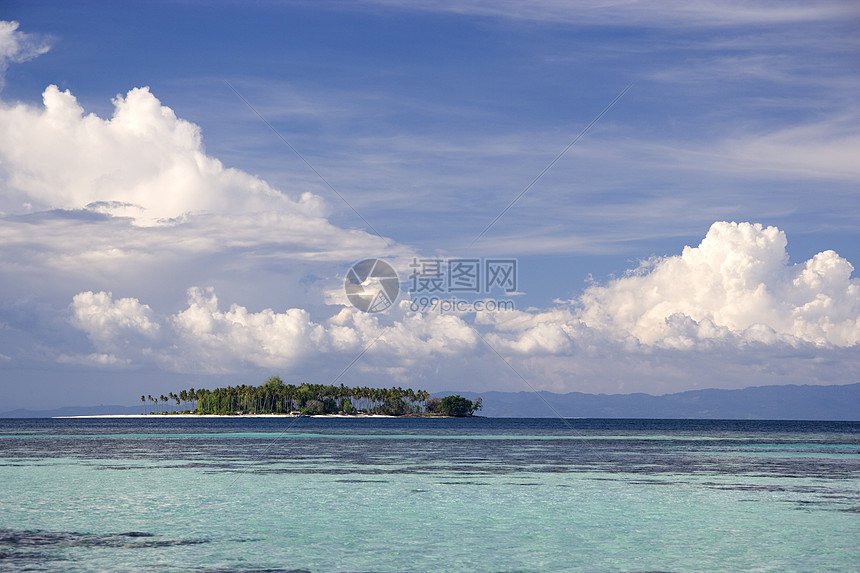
x=458, y=406
x=275, y=397
x=452, y=406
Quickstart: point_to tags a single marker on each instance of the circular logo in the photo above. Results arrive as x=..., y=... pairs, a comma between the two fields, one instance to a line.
x=371, y=285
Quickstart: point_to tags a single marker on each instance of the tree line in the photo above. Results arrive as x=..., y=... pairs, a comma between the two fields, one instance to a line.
x=275, y=397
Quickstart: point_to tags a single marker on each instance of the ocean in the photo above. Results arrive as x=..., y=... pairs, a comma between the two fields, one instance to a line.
x=491, y=495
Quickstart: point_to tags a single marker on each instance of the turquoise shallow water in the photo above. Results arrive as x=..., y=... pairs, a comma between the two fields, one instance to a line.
x=388, y=495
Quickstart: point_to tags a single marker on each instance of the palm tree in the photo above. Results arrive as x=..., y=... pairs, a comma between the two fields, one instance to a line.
x=422, y=396
x=199, y=397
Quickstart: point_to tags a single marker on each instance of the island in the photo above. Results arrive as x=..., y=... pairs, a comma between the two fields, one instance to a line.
x=273, y=397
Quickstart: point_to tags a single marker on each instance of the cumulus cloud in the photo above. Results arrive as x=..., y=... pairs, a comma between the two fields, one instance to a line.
x=114, y=325
x=144, y=163
x=737, y=283
x=202, y=337
x=412, y=335
x=134, y=201
x=217, y=339
x=93, y=205
x=90, y=198
x=735, y=290
x=735, y=295
x=550, y=332
x=205, y=337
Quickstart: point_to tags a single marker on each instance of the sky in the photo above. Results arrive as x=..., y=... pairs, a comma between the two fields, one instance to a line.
x=573, y=196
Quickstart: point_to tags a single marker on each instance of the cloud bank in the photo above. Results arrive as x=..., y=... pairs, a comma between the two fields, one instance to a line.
x=204, y=337
x=735, y=295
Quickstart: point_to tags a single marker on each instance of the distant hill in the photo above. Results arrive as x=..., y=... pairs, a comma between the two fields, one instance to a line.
x=755, y=403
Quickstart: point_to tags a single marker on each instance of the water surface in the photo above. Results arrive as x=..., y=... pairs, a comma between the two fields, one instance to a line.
x=407, y=494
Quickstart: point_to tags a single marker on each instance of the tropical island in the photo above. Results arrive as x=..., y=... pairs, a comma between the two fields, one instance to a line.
x=273, y=397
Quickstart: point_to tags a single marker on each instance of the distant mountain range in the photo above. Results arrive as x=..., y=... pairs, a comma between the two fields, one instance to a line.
x=755, y=403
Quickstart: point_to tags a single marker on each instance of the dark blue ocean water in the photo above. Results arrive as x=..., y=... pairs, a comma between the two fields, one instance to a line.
x=416, y=494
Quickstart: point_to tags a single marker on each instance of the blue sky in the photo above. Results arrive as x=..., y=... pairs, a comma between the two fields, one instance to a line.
x=157, y=234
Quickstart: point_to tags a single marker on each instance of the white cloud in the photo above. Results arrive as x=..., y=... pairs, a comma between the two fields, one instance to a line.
x=217, y=340
x=818, y=151
x=413, y=335
x=824, y=151
x=665, y=13
x=96, y=359
x=113, y=323
x=737, y=282
x=204, y=337
x=735, y=295
x=134, y=202
x=551, y=332
x=143, y=163
x=16, y=47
